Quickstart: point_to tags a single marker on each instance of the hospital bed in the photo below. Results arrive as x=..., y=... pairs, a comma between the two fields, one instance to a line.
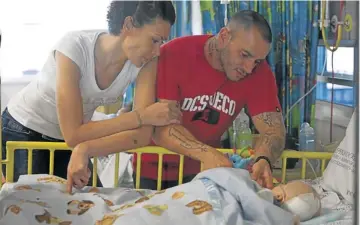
x=52, y=147
x=56, y=146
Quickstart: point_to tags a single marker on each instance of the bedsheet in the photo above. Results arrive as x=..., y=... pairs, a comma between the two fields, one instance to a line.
x=212, y=198
x=335, y=209
x=218, y=196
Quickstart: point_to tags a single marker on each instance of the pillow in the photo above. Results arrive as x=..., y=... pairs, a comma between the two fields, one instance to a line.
x=339, y=175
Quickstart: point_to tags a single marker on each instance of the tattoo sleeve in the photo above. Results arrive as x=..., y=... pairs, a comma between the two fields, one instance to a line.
x=186, y=141
x=272, y=134
x=177, y=138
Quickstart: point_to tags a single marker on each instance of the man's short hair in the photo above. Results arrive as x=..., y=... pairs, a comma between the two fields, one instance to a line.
x=249, y=18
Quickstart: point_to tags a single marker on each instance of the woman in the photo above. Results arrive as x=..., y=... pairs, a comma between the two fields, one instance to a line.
x=87, y=69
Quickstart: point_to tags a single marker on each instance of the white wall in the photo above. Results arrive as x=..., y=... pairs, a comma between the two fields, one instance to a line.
x=9, y=89
x=27, y=38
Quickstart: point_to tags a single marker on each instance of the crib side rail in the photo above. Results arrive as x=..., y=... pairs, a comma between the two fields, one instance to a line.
x=11, y=147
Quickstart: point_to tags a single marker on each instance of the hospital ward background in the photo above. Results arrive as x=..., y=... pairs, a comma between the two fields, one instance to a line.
x=314, y=57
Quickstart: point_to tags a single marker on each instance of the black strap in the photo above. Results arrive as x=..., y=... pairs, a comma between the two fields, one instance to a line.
x=267, y=160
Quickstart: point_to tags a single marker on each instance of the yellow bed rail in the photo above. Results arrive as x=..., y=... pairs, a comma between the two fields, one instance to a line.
x=11, y=147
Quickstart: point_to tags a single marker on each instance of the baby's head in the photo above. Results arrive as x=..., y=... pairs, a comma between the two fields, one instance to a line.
x=298, y=198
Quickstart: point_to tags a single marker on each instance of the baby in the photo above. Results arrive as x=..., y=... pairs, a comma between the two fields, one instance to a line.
x=296, y=197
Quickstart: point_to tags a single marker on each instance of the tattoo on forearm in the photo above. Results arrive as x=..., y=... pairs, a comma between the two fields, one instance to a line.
x=273, y=142
x=186, y=142
x=273, y=136
x=272, y=120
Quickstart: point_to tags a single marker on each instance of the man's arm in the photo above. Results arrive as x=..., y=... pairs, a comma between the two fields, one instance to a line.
x=265, y=111
x=178, y=139
x=271, y=127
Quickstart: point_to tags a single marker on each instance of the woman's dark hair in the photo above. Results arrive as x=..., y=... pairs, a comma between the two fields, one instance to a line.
x=142, y=12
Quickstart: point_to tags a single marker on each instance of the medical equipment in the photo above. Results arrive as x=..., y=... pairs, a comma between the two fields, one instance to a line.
x=226, y=2
x=336, y=22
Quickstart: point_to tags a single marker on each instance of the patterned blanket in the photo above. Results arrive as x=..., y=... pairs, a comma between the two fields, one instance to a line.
x=219, y=196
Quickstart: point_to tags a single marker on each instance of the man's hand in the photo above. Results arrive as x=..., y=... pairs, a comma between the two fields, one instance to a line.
x=271, y=143
x=261, y=173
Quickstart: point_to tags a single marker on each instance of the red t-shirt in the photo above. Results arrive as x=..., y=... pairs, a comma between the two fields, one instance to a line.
x=209, y=101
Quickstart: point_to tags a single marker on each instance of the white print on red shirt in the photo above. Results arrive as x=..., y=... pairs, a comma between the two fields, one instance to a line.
x=218, y=101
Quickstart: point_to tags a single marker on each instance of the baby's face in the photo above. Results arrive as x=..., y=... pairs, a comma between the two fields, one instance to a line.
x=285, y=192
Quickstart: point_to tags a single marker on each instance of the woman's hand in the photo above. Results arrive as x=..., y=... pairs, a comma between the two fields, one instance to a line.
x=78, y=172
x=161, y=114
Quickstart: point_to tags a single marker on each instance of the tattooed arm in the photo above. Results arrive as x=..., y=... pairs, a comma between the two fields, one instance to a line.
x=178, y=139
x=272, y=135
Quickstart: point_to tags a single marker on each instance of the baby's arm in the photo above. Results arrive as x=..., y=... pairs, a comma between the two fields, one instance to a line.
x=296, y=220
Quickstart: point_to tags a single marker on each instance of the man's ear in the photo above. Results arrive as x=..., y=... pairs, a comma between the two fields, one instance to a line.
x=128, y=24
x=223, y=37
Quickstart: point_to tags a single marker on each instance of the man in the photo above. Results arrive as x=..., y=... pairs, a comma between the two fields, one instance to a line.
x=213, y=78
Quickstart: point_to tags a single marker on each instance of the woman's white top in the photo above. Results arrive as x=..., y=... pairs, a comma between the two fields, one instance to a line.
x=35, y=105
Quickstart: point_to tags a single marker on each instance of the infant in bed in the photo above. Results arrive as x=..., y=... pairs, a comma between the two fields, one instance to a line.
x=216, y=196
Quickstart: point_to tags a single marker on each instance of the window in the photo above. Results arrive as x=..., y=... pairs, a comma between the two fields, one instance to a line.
x=29, y=34
x=343, y=63
x=342, y=95
x=343, y=68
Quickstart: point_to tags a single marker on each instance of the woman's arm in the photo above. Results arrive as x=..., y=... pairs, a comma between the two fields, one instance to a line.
x=144, y=96
x=70, y=110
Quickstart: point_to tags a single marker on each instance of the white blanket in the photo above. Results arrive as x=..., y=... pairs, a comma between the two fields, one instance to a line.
x=218, y=196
